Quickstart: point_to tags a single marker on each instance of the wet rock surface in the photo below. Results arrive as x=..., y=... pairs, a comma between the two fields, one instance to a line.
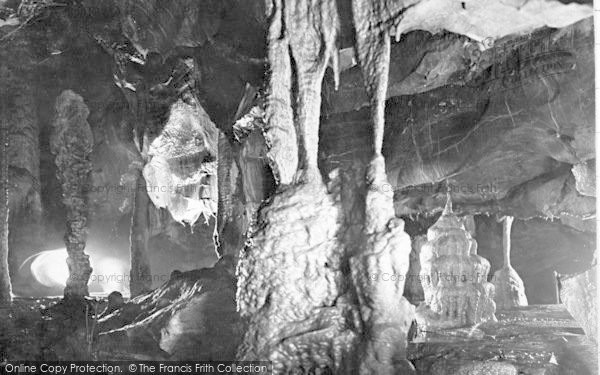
x=540, y=339
x=578, y=294
x=289, y=286
x=192, y=316
x=538, y=248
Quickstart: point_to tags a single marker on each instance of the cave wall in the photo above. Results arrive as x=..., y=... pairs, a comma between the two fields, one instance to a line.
x=539, y=247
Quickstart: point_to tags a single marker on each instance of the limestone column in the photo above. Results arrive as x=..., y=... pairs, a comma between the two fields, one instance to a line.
x=510, y=290
x=71, y=142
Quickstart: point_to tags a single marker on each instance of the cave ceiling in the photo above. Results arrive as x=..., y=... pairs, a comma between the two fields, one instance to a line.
x=503, y=114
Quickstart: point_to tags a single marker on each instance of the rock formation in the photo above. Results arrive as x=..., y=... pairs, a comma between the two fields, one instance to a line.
x=140, y=274
x=454, y=277
x=72, y=144
x=314, y=188
x=181, y=170
x=245, y=179
x=413, y=290
x=289, y=284
x=579, y=294
x=5, y=283
x=509, y=288
x=191, y=317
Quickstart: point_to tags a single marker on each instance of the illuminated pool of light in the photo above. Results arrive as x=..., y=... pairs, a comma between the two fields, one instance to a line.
x=109, y=274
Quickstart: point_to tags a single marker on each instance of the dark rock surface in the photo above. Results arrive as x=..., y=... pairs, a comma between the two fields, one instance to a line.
x=530, y=340
x=191, y=317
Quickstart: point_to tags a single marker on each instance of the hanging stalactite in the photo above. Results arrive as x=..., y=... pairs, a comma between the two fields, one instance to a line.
x=386, y=314
x=302, y=42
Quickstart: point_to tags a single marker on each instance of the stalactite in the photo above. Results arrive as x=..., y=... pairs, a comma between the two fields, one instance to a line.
x=5, y=284
x=373, y=49
x=386, y=314
x=312, y=27
x=71, y=142
x=510, y=290
x=280, y=132
x=302, y=34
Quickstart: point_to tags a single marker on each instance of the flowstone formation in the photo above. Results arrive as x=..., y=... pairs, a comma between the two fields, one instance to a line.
x=385, y=313
x=182, y=166
x=289, y=279
x=509, y=288
x=291, y=298
x=72, y=143
x=454, y=277
x=302, y=35
x=292, y=279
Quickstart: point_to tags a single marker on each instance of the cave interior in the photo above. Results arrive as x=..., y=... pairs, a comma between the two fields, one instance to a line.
x=327, y=186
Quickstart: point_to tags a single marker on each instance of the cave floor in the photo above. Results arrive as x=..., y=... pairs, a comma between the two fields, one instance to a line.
x=538, y=339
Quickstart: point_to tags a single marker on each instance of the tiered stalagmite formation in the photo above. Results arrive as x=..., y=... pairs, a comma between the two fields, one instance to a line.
x=72, y=143
x=510, y=290
x=454, y=277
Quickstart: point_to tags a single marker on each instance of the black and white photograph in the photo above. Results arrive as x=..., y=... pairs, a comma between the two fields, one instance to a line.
x=394, y=187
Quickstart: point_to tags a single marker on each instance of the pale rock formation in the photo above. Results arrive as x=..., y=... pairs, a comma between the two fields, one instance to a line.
x=509, y=288
x=289, y=284
x=585, y=178
x=181, y=172
x=486, y=21
x=302, y=35
x=71, y=142
x=386, y=315
x=579, y=294
x=454, y=277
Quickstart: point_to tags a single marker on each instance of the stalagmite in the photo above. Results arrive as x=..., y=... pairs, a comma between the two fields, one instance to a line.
x=454, y=277
x=510, y=291
x=289, y=278
x=386, y=314
x=71, y=142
